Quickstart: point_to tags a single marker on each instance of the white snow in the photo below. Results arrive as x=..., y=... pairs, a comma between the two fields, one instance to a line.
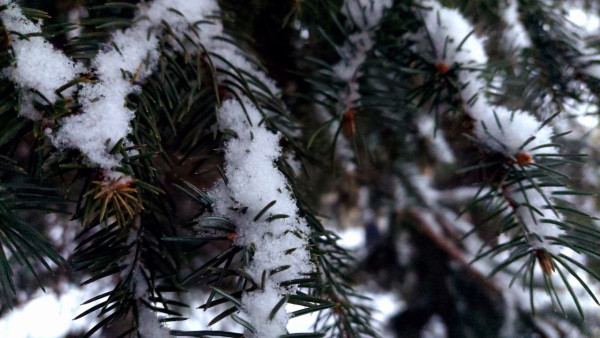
x=366, y=14
x=253, y=183
x=587, y=20
x=448, y=33
x=149, y=326
x=436, y=140
x=515, y=134
x=37, y=65
x=352, y=238
x=105, y=119
x=515, y=35
x=385, y=305
x=53, y=313
x=134, y=51
x=507, y=132
x=540, y=230
x=257, y=308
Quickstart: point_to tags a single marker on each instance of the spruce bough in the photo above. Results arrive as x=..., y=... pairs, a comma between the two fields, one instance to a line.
x=190, y=166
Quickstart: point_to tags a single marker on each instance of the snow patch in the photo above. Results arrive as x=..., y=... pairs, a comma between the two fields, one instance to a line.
x=254, y=182
x=37, y=64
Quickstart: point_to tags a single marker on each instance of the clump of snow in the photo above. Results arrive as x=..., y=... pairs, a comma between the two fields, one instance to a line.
x=253, y=183
x=37, y=64
x=448, y=33
x=257, y=308
x=105, y=118
x=128, y=59
x=509, y=132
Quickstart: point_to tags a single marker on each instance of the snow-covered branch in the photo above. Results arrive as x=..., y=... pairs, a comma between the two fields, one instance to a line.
x=277, y=235
x=517, y=135
x=120, y=66
x=364, y=17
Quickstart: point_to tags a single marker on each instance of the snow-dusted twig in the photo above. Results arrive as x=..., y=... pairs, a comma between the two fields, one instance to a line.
x=445, y=228
x=364, y=16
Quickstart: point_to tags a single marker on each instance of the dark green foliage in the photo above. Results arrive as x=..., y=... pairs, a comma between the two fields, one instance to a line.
x=154, y=238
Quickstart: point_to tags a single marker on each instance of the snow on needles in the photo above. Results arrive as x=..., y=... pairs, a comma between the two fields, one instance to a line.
x=515, y=35
x=515, y=134
x=105, y=118
x=448, y=34
x=128, y=59
x=37, y=64
x=504, y=131
x=253, y=183
x=364, y=16
x=280, y=244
